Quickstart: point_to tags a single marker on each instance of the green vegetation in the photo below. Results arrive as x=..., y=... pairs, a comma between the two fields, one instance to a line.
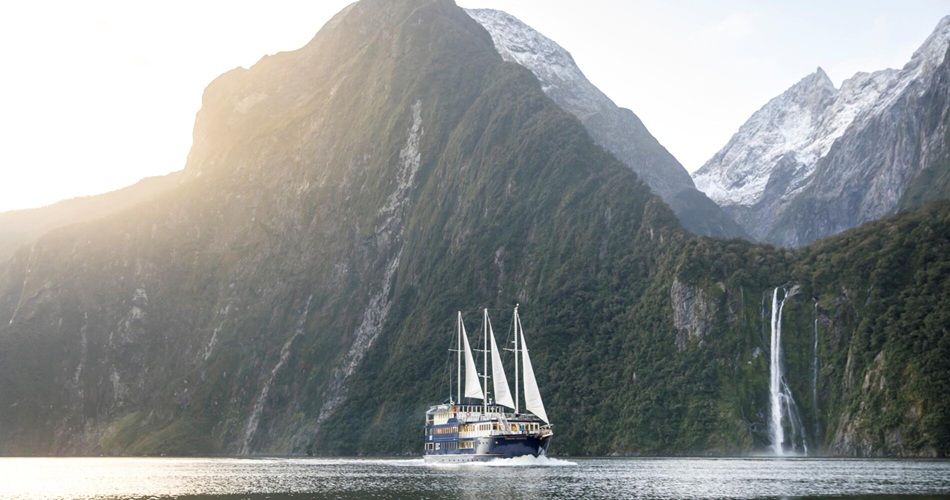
x=931, y=185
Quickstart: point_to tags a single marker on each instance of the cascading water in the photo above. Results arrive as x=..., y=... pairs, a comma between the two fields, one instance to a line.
x=780, y=396
x=814, y=379
x=775, y=374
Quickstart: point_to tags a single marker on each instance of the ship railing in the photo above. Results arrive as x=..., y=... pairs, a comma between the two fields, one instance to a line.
x=477, y=411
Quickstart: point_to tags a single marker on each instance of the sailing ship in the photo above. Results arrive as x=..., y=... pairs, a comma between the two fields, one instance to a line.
x=497, y=428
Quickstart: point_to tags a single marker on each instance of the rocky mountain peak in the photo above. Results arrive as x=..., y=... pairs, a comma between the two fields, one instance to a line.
x=519, y=43
x=786, y=125
x=813, y=91
x=934, y=49
x=820, y=79
x=777, y=156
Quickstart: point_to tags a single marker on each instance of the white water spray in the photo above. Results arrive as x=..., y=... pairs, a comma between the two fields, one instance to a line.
x=780, y=395
x=814, y=379
x=775, y=374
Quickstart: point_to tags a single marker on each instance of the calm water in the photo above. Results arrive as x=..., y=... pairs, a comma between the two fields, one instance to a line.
x=279, y=478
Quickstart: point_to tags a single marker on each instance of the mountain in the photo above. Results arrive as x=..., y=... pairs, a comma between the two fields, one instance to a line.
x=337, y=201
x=817, y=160
x=20, y=227
x=297, y=291
x=618, y=130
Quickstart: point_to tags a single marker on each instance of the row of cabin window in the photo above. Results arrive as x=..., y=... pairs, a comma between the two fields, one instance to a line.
x=496, y=427
x=478, y=427
x=464, y=445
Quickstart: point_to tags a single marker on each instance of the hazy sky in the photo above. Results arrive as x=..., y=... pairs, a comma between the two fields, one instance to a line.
x=95, y=95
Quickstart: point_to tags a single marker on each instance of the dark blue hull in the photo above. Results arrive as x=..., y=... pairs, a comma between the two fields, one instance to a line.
x=490, y=448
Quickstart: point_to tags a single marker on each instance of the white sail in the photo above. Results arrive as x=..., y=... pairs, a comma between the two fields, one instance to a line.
x=532, y=396
x=499, y=380
x=473, y=388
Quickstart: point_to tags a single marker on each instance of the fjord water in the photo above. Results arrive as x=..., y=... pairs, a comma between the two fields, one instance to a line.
x=662, y=478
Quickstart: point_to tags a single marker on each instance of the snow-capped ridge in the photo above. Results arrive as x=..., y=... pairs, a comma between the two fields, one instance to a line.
x=554, y=67
x=787, y=124
x=805, y=121
x=784, y=147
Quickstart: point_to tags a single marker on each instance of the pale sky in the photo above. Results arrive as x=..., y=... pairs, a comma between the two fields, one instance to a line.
x=95, y=95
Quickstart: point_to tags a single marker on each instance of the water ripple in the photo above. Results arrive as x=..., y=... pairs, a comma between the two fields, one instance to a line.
x=656, y=478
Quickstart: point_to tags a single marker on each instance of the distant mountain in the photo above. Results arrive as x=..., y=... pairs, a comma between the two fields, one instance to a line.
x=817, y=160
x=297, y=291
x=21, y=227
x=618, y=130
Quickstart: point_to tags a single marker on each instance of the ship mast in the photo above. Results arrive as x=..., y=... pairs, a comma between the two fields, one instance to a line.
x=458, y=350
x=515, y=322
x=485, y=361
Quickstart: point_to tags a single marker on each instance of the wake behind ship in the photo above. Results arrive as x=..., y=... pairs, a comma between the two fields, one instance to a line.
x=456, y=432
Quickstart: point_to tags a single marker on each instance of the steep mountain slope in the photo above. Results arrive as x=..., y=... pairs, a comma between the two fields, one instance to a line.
x=818, y=160
x=334, y=194
x=616, y=129
x=297, y=292
x=21, y=227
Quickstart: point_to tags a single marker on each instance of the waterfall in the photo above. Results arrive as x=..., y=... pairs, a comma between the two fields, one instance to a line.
x=781, y=402
x=775, y=374
x=814, y=378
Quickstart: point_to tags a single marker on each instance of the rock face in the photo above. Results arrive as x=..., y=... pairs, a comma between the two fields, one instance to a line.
x=817, y=160
x=616, y=129
x=694, y=314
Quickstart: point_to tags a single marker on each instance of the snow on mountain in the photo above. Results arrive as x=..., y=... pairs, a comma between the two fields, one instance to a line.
x=554, y=67
x=930, y=55
x=618, y=130
x=788, y=124
x=804, y=121
x=776, y=155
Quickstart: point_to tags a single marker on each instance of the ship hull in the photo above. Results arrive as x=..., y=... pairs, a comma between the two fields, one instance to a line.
x=491, y=448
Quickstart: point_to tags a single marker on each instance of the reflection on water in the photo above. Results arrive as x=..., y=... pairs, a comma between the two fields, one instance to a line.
x=275, y=478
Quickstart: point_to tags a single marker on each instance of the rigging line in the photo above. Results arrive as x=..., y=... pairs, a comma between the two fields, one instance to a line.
x=448, y=369
x=511, y=332
x=480, y=310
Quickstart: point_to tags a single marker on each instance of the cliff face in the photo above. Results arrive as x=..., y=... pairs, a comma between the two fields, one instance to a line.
x=297, y=291
x=694, y=313
x=817, y=160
